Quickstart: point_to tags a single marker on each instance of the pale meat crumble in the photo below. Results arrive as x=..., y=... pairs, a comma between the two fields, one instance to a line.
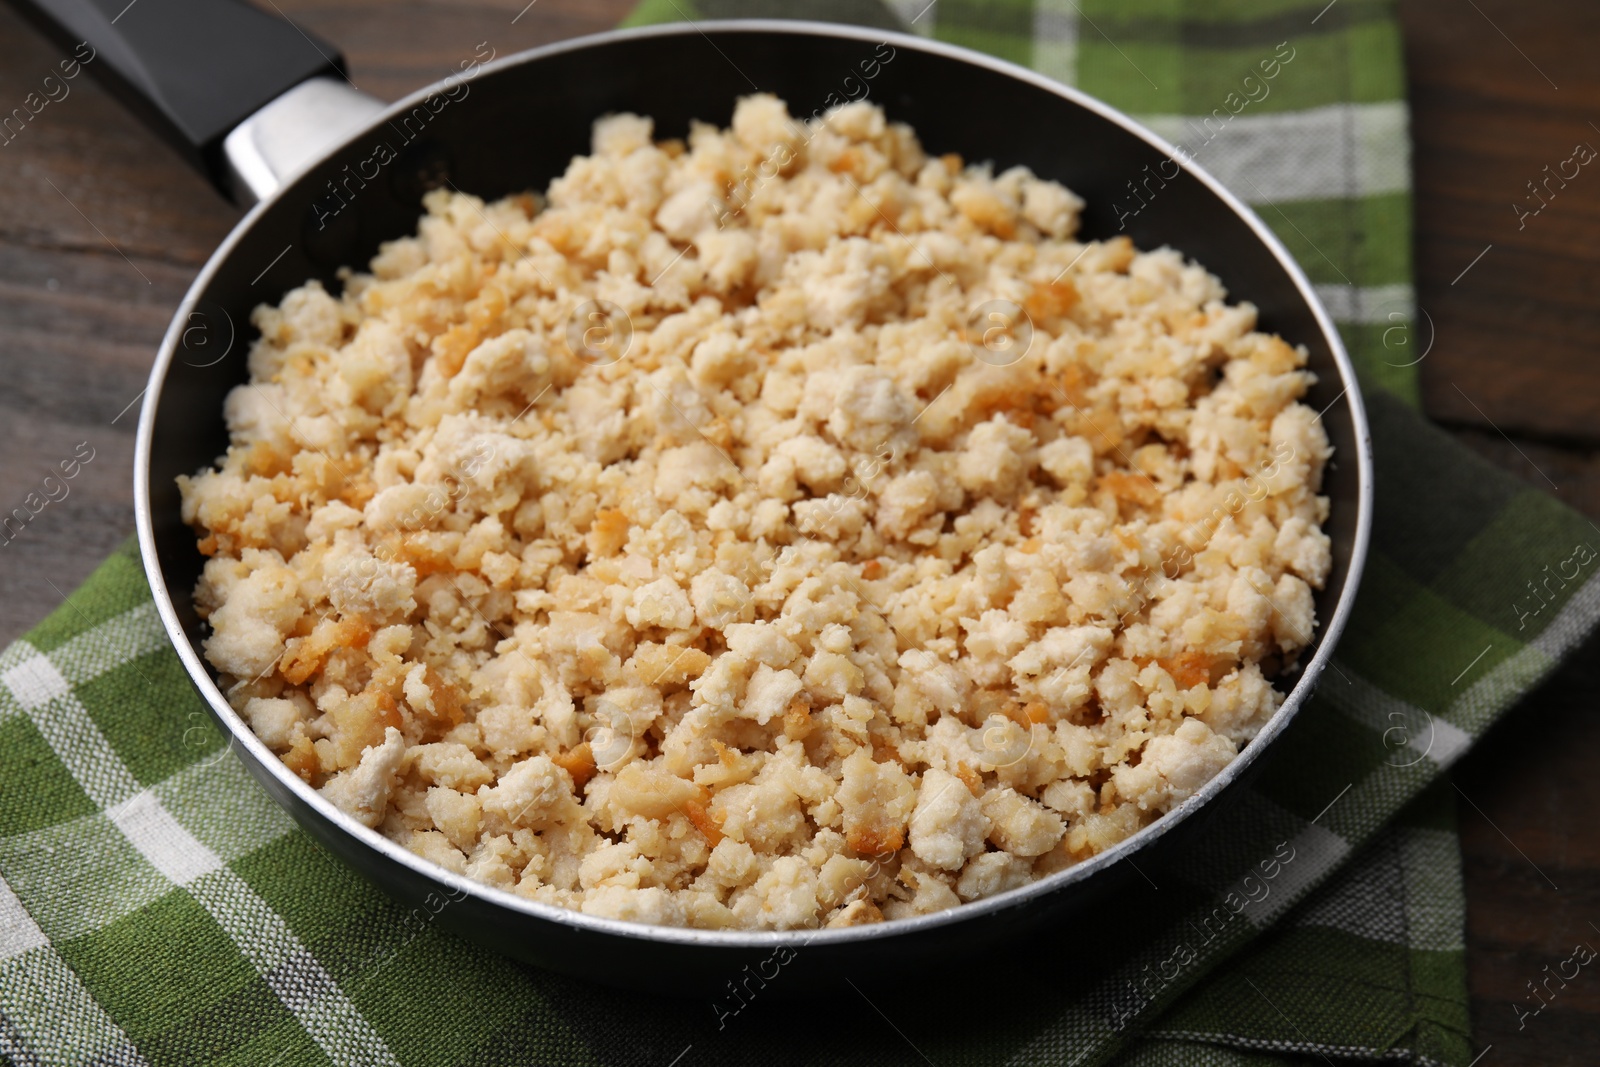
x=786, y=599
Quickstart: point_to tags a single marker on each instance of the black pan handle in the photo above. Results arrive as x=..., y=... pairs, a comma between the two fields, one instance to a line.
x=192, y=69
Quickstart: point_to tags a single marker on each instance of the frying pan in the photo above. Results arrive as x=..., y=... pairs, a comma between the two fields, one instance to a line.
x=266, y=113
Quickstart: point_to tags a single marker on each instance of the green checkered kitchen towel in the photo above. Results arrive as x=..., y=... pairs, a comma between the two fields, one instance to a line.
x=156, y=907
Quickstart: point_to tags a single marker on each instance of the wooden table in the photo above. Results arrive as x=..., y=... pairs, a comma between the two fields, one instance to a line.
x=103, y=229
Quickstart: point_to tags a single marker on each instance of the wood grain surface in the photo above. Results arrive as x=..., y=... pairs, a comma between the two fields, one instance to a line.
x=102, y=229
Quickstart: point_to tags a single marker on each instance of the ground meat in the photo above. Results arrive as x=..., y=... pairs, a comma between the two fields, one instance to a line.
x=776, y=528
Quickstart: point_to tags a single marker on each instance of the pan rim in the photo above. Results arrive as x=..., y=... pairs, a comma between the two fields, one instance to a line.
x=459, y=885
